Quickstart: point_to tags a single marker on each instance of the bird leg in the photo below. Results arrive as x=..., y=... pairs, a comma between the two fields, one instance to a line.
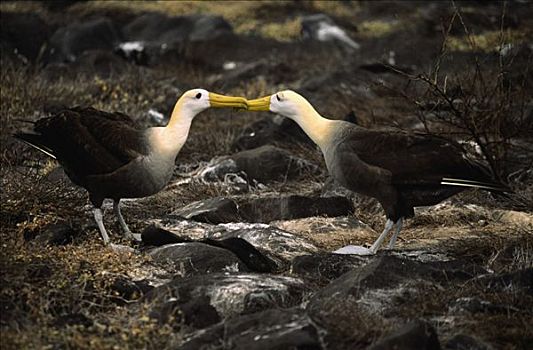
x=126, y=230
x=358, y=250
x=388, y=225
x=399, y=225
x=99, y=218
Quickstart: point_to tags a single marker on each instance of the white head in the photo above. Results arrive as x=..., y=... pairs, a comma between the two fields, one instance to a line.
x=287, y=103
x=195, y=101
x=169, y=140
x=292, y=105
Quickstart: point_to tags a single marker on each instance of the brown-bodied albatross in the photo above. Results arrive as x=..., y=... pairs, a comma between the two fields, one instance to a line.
x=400, y=170
x=107, y=155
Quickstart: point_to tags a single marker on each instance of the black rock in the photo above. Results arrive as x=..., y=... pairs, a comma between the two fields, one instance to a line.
x=263, y=210
x=69, y=42
x=278, y=245
x=125, y=290
x=156, y=236
x=208, y=28
x=320, y=89
x=270, y=329
x=465, y=342
x=268, y=163
x=163, y=30
x=372, y=292
x=197, y=258
x=214, y=211
x=264, y=164
x=382, y=272
x=269, y=130
x=90, y=63
x=228, y=294
x=414, y=335
x=248, y=255
x=165, y=39
x=325, y=267
x=388, y=271
x=15, y=31
x=227, y=47
x=56, y=234
x=218, y=168
x=224, y=169
x=477, y=305
x=199, y=313
x=293, y=207
x=239, y=73
x=196, y=312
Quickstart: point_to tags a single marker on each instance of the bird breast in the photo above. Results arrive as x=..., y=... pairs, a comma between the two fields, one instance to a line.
x=159, y=169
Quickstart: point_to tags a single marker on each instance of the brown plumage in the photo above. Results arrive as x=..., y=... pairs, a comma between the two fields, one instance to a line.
x=85, y=142
x=400, y=170
x=110, y=157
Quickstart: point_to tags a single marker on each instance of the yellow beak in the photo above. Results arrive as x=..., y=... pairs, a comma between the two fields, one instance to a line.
x=221, y=101
x=259, y=104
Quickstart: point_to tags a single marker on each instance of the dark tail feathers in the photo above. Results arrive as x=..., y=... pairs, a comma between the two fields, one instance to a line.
x=34, y=141
x=490, y=186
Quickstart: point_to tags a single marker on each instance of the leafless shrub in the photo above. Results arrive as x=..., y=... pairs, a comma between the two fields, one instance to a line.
x=483, y=106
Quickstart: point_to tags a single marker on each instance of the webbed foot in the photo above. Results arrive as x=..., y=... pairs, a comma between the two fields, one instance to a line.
x=354, y=250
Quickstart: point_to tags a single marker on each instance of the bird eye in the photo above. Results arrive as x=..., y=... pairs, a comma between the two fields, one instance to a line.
x=279, y=99
x=198, y=95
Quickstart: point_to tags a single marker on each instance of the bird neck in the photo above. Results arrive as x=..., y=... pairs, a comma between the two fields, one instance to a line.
x=170, y=139
x=317, y=127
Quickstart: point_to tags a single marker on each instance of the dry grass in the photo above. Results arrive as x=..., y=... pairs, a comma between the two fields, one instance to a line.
x=503, y=329
x=378, y=28
x=262, y=18
x=65, y=297
x=489, y=41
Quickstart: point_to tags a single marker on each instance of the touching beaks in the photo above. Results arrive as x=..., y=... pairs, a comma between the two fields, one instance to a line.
x=221, y=101
x=259, y=104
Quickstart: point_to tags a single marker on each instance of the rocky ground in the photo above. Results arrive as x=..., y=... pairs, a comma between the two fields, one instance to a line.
x=237, y=250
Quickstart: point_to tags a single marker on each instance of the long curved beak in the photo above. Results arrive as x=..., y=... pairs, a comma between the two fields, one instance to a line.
x=221, y=101
x=259, y=104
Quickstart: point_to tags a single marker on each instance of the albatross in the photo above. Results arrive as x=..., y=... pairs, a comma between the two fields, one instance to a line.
x=400, y=170
x=107, y=155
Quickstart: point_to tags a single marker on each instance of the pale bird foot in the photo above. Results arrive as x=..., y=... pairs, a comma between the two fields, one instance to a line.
x=120, y=248
x=354, y=250
x=135, y=237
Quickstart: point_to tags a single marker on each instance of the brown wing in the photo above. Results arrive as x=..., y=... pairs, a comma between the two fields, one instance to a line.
x=349, y=170
x=413, y=158
x=88, y=142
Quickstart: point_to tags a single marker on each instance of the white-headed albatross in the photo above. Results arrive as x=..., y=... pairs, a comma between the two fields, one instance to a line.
x=400, y=170
x=107, y=155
